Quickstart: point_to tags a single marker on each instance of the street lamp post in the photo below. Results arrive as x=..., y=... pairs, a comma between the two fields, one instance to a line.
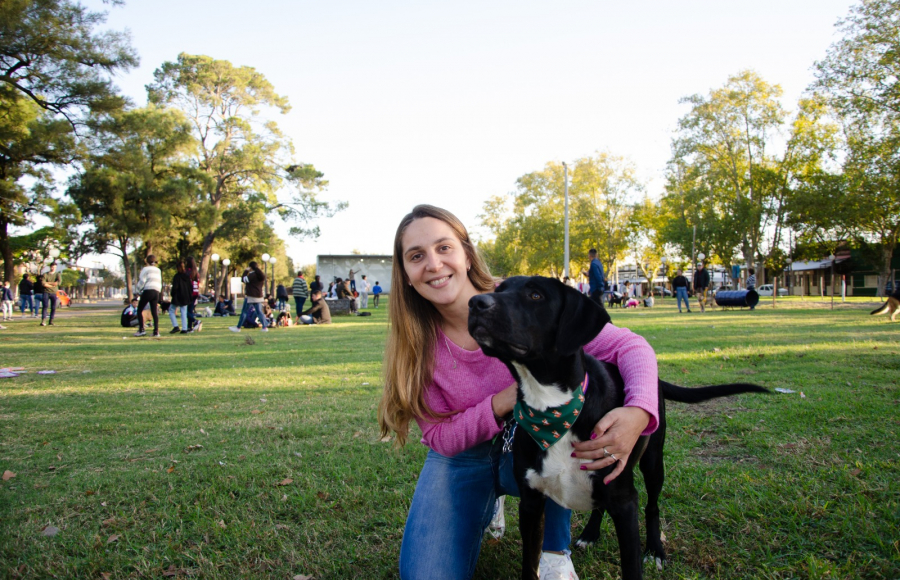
x=272, y=261
x=265, y=259
x=566, y=258
x=831, y=257
x=665, y=271
x=226, y=262
x=215, y=259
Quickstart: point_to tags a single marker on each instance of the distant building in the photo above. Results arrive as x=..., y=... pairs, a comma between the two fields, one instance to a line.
x=377, y=268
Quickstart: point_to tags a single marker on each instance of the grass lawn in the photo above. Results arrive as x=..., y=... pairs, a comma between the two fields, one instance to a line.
x=221, y=455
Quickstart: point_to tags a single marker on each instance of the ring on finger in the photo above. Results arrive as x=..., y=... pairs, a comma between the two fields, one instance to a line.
x=613, y=455
x=606, y=453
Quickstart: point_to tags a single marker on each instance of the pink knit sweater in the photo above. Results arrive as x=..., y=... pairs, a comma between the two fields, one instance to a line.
x=468, y=388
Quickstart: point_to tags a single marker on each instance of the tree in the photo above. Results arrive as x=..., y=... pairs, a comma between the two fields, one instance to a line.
x=133, y=186
x=52, y=55
x=245, y=159
x=528, y=237
x=859, y=77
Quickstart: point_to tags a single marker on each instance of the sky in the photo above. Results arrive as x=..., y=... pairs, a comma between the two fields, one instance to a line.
x=448, y=103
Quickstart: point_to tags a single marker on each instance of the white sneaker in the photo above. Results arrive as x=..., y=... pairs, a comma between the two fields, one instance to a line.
x=264, y=329
x=556, y=567
x=234, y=329
x=497, y=527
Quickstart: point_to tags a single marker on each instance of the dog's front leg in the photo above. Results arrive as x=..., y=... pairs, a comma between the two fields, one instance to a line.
x=531, y=528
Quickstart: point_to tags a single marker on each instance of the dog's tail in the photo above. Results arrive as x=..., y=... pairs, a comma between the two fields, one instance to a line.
x=685, y=395
x=882, y=309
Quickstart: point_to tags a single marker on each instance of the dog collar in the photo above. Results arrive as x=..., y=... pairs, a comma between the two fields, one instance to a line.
x=548, y=426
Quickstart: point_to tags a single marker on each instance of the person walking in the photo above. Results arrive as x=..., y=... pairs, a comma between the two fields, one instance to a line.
x=254, y=295
x=182, y=296
x=680, y=284
x=7, y=300
x=149, y=285
x=751, y=282
x=38, y=295
x=376, y=293
x=596, y=278
x=193, y=272
x=436, y=375
x=26, y=294
x=281, y=297
x=701, y=285
x=51, y=287
x=300, y=292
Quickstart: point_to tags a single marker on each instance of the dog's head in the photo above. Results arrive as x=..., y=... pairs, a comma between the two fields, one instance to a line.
x=534, y=318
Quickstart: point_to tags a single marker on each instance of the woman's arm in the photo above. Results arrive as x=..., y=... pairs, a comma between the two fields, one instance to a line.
x=465, y=429
x=618, y=430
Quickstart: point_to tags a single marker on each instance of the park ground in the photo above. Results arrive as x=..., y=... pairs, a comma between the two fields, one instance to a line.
x=251, y=455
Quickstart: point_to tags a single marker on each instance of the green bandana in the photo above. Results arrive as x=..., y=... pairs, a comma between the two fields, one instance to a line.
x=548, y=427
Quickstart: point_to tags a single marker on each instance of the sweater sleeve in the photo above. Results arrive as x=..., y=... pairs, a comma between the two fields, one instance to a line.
x=460, y=431
x=637, y=364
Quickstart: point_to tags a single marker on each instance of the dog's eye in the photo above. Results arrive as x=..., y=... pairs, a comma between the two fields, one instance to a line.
x=534, y=295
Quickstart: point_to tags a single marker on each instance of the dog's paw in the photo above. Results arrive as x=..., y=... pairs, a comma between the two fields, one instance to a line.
x=584, y=543
x=660, y=562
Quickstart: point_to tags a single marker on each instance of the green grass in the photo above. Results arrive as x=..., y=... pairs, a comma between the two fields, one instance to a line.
x=779, y=486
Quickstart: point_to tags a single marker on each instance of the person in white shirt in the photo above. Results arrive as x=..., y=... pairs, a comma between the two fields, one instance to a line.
x=149, y=285
x=363, y=288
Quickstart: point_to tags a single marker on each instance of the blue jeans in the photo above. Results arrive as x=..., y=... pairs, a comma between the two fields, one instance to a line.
x=38, y=304
x=245, y=310
x=299, y=302
x=681, y=294
x=52, y=300
x=184, y=316
x=26, y=299
x=454, y=503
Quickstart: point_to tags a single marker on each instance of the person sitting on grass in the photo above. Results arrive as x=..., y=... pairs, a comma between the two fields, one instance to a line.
x=224, y=307
x=129, y=317
x=318, y=312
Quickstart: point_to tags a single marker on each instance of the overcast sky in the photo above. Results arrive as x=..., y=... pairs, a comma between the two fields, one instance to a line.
x=402, y=102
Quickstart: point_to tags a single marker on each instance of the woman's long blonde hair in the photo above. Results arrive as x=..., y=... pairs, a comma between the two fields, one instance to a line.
x=409, y=356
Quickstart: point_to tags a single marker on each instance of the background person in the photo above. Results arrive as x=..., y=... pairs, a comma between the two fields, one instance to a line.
x=26, y=294
x=751, y=282
x=149, y=286
x=436, y=374
x=38, y=295
x=596, y=279
x=701, y=285
x=182, y=295
x=6, y=300
x=318, y=312
x=281, y=297
x=300, y=291
x=193, y=272
x=376, y=293
x=255, y=284
x=680, y=284
x=51, y=287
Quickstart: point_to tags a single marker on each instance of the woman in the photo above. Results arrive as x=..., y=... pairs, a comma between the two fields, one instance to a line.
x=149, y=285
x=193, y=273
x=181, y=298
x=255, y=284
x=435, y=374
x=680, y=284
x=38, y=295
x=282, y=297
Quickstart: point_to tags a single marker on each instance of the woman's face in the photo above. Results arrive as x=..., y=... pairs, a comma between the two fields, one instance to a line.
x=436, y=263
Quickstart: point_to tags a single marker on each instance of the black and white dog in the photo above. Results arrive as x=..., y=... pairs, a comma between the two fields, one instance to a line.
x=538, y=326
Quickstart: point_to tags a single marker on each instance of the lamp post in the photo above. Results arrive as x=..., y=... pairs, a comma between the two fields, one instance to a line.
x=666, y=275
x=566, y=254
x=831, y=257
x=215, y=259
x=272, y=261
x=226, y=262
x=790, y=276
x=265, y=259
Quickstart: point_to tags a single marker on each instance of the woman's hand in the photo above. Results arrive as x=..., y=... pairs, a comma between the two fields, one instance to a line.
x=613, y=439
x=503, y=402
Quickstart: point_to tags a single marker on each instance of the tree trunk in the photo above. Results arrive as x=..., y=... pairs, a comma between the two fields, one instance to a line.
x=123, y=246
x=6, y=250
x=205, y=257
x=887, y=252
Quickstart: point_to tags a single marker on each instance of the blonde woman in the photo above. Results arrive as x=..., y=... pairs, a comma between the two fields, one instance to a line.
x=436, y=375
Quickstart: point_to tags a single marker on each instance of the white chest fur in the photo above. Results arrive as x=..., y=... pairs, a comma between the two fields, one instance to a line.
x=561, y=478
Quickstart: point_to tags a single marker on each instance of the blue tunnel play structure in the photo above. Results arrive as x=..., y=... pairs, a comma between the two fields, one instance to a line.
x=737, y=298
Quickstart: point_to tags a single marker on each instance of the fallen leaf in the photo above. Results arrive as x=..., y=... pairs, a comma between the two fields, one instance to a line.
x=322, y=496
x=204, y=432
x=284, y=497
x=255, y=412
x=108, y=522
x=89, y=492
x=855, y=472
x=49, y=531
x=105, y=575
x=221, y=523
x=171, y=469
x=282, y=527
x=151, y=451
x=7, y=475
x=193, y=448
x=285, y=481
x=113, y=538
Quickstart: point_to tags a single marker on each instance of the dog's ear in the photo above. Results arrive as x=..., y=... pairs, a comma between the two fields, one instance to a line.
x=581, y=320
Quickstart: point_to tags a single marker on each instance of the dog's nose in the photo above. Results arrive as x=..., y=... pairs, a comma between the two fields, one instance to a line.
x=481, y=303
